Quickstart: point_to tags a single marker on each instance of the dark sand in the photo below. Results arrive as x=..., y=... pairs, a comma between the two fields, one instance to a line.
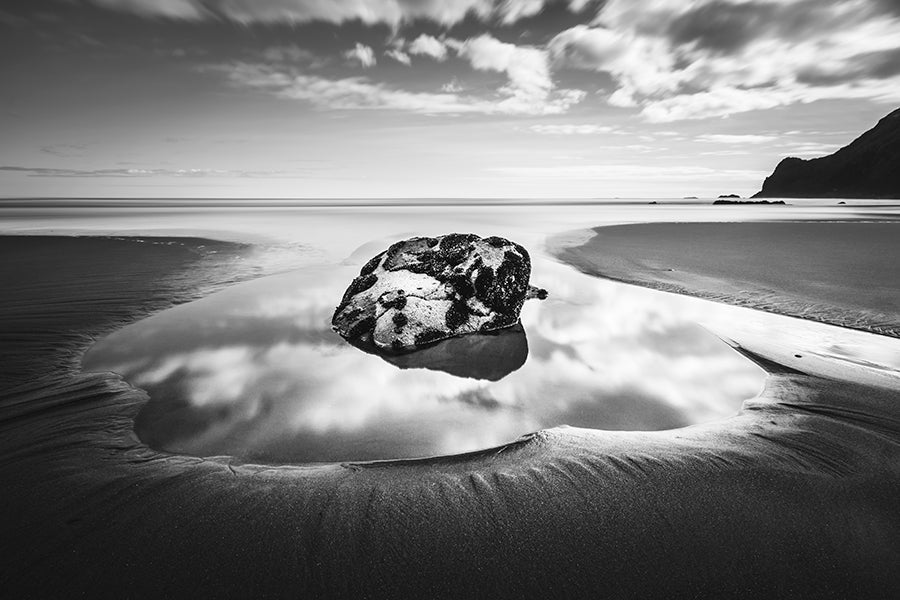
x=843, y=273
x=794, y=497
x=59, y=291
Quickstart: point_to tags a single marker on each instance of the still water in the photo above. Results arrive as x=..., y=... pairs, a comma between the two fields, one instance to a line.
x=256, y=372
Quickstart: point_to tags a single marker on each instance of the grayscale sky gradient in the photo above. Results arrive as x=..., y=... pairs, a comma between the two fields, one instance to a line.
x=429, y=98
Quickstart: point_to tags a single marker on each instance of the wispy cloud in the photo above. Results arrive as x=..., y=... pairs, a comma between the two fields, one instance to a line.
x=632, y=172
x=808, y=149
x=137, y=172
x=668, y=59
x=452, y=87
x=359, y=93
x=530, y=89
x=736, y=139
x=391, y=12
x=362, y=54
x=725, y=153
x=295, y=56
x=11, y=20
x=399, y=55
x=64, y=149
x=571, y=129
x=351, y=93
x=676, y=60
x=426, y=45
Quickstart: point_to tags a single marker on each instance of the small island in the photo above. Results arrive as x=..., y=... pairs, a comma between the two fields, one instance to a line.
x=729, y=202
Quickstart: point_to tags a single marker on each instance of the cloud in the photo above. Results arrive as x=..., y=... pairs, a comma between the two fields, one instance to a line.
x=351, y=93
x=390, y=12
x=10, y=20
x=729, y=100
x=64, y=149
x=721, y=26
x=529, y=91
x=359, y=93
x=399, y=55
x=632, y=172
x=362, y=54
x=808, y=149
x=528, y=69
x=139, y=173
x=452, y=87
x=426, y=45
x=638, y=64
x=571, y=129
x=587, y=48
x=726, y=153
x=736, y=139
x=173, y=9
x=677, y=60
x=293, y=55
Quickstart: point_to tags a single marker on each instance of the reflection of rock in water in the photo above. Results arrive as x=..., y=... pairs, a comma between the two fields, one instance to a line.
x=491, y=356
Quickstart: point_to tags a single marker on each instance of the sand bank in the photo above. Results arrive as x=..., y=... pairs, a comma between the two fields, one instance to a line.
x=795, y=496
x=842, y=273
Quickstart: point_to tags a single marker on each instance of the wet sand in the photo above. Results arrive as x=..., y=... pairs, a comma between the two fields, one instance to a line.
x=795, y=496
x=842, y=273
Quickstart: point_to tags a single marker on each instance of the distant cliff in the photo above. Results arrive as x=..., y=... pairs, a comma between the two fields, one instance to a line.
x=869, y=167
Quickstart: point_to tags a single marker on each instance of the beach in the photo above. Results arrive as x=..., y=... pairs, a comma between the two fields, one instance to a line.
x=788, y=493
x=409, y=299
x=835, y=272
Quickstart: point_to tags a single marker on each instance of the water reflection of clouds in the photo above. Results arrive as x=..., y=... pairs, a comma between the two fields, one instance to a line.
x=646, y=341
x=256, y=372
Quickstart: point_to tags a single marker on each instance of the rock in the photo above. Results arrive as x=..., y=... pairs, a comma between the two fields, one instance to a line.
x=866, y=168
x=732, y=202
x=729, y=196
x=534, y=292
x=423, y=290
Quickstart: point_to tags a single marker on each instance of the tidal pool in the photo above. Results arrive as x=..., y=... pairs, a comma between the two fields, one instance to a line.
x=256, y=372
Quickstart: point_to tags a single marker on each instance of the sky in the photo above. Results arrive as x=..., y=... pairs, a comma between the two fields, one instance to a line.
x=433, y=98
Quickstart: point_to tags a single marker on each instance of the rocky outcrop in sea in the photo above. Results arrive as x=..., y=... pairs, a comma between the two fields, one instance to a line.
x=866, y=168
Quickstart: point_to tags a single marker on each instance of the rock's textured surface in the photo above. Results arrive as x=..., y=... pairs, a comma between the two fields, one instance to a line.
x=422, y=290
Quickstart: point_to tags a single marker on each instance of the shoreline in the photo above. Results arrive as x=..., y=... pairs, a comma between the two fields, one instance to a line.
x=534, y=519
x=647, y=255
x=189, y=268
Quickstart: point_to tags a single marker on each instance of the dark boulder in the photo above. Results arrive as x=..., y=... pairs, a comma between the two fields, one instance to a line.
x=423, y=290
